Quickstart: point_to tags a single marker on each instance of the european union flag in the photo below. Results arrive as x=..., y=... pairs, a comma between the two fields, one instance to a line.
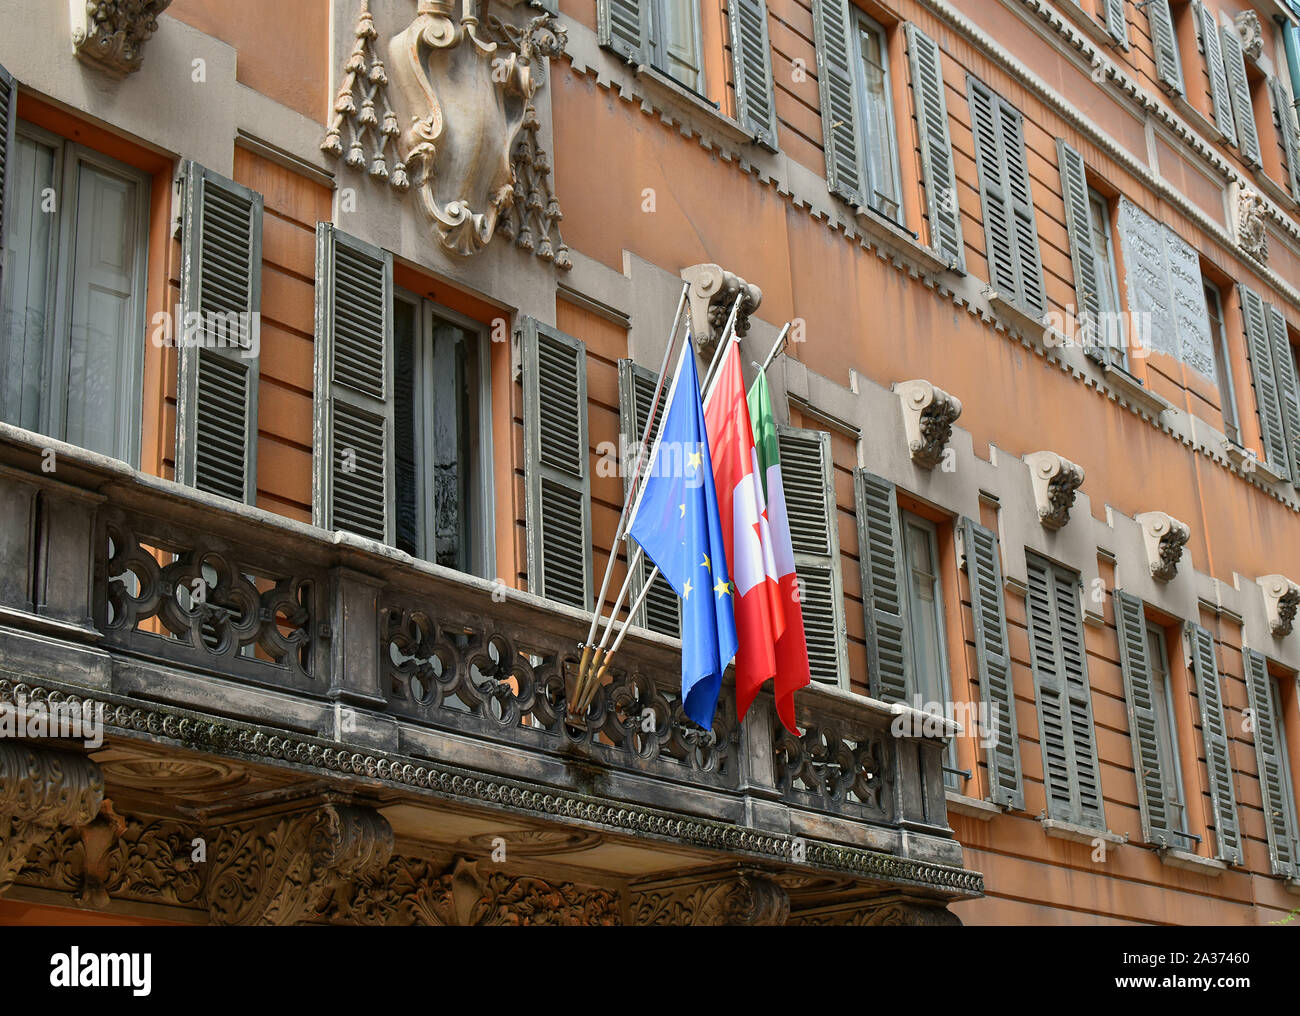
x=675, y=521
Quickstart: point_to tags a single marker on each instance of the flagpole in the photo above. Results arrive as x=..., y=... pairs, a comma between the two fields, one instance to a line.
x=594, y=686
x=780, y=344
x=728, y=335
x=632, y=487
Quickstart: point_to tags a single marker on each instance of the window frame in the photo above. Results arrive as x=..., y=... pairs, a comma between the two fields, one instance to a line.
x=1162, y=685
x=1099, y=202
x=1284, y=759
x=1227, y=386
x=427, y=312
x=69, y=157
x=656, y=46
x=863, y=22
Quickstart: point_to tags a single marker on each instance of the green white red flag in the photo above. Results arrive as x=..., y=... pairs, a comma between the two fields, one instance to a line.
x=792, y=672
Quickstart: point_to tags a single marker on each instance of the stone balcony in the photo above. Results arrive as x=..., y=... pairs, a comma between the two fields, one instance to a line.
x=308, y=726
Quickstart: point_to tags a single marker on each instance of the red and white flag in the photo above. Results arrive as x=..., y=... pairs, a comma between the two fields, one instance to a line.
x=760, y=618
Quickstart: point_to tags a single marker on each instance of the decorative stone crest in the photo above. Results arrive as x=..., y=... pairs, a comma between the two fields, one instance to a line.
x=1251, y=33
x=41, y=792
x=1055, y=481
x=283, y=870
x=713, y=292
x=1165, y=538
x=110, y=34
x=1249, y=217
x=1281, y=598
x=746, y=898
x=928, y=416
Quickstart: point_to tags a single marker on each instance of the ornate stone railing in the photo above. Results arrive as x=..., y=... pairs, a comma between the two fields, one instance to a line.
x=133, y=588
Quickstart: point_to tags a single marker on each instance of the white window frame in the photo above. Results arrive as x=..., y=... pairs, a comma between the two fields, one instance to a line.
x=69, y=156
x=657, y=44
x=1227, y=389
x=1116, y=326
x=862, y=22
x=1161, y=685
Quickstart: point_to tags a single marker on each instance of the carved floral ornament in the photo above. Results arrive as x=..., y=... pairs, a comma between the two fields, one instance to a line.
x=1055, y=480
x=928, y=415
x=451, y=117
x=1250, y=218
x=111, y=33
x=712, y=294
x=1281, y=599
x=1251, y=33
x=1164, y=537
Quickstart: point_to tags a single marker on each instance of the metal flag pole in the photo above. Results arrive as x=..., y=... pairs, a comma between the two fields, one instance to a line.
x=781, y=340
x=728, y=335
x=589, y=692
x=587, y=647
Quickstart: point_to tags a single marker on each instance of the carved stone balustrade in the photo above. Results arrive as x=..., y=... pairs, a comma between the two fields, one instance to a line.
x=252, y=653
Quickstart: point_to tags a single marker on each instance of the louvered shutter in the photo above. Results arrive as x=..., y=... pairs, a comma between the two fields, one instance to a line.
x=1116, y=22
x=841, y=139
x=751, y=64
x=1143, y=723
x=937, y=171
x=1219, y=88
x=661, y=611
x=1284, y=116
x=8, y=123
x=355, y=473
x=1164, y=39
x=218, y=337
x=993, y=664
x=1279, y=809
x=1010, y=229
x=1083, y=252
x=557, y=479
x=1214, y=732
x=624, y=27
x=1288, y=386
x=1267, y=395
x=880, y=555
x=1243, y=110
x=807, y=475
x=1070, y=770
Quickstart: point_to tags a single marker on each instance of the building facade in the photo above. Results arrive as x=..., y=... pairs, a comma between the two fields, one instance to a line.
x=329, y=330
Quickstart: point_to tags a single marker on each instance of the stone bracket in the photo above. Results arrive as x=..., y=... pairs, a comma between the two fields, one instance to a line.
x=110, y=34
x=713, y=292
x=41, y=791
x=1281, y=598
x=928, y=415
x=1164, y=537
x=1055, y=481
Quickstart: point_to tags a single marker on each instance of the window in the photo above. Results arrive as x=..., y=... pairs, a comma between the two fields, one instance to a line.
x=440, y=401
x=1166, y=733
x=1111, y=323
x=877, y=123
x=1277, y=387
x=675, y=41
x=1286, y=820
x=73, y=315
x=1273, y=761
x=925, y=604
x=1227, y=400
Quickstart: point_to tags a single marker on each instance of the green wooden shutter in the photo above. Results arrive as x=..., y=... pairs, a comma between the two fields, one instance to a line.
x=1243, y=110
x=880, y=554
x=1268, y=398
x=661, y=611
x=751, y=63
x=1288, y=386
x=624, y=27
x=841, y=139
x=808, y=477
x=1214, y=732
x=1070, y=771
x=993, y=663
x=8, y=124
x=1284, y=117
x=218, y=336
x=1010, y=229
x=1116, y=23
x=355, y=475
x=937, y=170
x=1279, y=809
x=1164, y=39
x=557, y=477
x=1083, y=252
x=1143, y=723
x=1207, y=23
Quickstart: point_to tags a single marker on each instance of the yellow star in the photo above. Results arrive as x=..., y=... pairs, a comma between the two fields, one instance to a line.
x=686, y=590
x=694, y=460
x=683, y=510
x=722, y=588
x=705, y=563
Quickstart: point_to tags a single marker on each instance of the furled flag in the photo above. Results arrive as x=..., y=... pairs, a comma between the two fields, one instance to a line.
x=792, y=671
x=760, y=619
x=675, y=521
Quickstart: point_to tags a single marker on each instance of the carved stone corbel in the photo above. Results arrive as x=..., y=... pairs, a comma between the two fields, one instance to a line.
x=1055, y=481
x=1251, y=33
x=41, y=791
x=1165, y=537
x=1281, y=598
x=928, y=416
x=1249, y=219
x=285, y=869
x=110, y=34
x=745, y=897
x=713, y=292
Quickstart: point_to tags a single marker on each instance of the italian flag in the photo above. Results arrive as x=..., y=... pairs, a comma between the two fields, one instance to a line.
x=760, y=619
x=792, y=671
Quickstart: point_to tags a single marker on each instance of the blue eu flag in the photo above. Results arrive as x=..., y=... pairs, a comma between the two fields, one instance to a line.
x=675, y=521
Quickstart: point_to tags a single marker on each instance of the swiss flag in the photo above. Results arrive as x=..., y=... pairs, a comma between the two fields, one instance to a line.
x=760, y=618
